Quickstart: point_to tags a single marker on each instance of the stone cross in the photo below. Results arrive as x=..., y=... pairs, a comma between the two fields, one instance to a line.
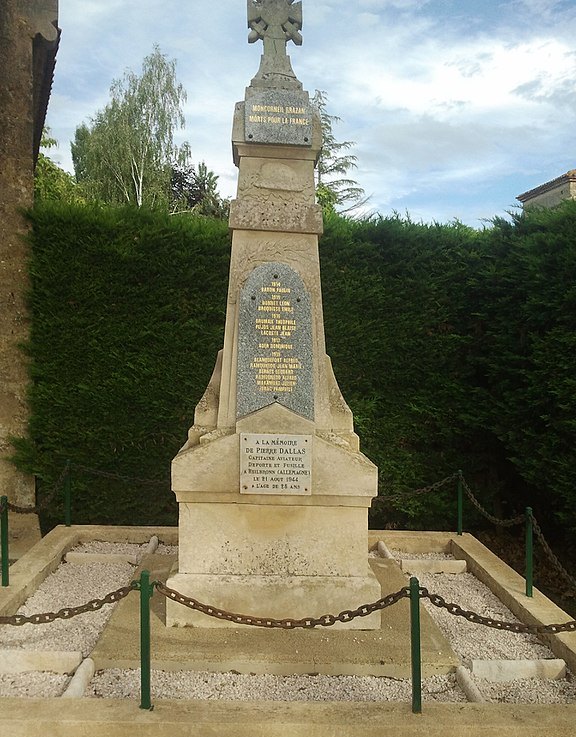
x=275, y=22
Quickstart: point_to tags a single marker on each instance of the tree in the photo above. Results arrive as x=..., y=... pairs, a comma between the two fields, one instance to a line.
x=126, y=154
x=333, y=187
x=50, y=181
x=195, y=190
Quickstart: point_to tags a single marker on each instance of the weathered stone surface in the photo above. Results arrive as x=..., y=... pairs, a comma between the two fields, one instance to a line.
x=275, y=22
x=275, y=342
x=21, y=119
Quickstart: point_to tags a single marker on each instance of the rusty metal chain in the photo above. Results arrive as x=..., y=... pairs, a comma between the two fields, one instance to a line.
x=45, y=502
x=119, y=477
x=417, y=492
x=550, y=553
x=531, y=629
x=495, y=520
x=68, y=612
x=326, y=620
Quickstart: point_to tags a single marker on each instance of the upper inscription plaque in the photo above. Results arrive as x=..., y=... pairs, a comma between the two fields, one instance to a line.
x=275, y=342
x=278, y=116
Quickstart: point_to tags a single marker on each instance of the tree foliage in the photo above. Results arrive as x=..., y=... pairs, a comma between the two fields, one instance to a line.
x=195, y=189
x=50, y=181
x=127, y=153
x=335, y=190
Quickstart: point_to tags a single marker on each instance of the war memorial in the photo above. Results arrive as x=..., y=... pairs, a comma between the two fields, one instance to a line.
x=272, y=465
x=273, y=494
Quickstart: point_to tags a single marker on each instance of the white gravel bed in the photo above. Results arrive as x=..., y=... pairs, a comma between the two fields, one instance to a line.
x=102, y=547
x=528, y=691
x=116, y=683
x=69, y=586
x=164, y=549
x=33, y=685
x=129, y=549
x=474, y=641
x=405, y=555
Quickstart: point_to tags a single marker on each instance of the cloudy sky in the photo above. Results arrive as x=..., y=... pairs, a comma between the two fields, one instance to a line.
x=455, y=106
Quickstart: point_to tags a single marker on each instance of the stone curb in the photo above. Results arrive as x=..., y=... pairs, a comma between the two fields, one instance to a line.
x=499, y=671
x=80, y=680
x=468, y=686
x=23, y=661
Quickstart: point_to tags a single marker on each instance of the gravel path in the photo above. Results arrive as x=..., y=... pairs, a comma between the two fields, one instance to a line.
x=117, y=683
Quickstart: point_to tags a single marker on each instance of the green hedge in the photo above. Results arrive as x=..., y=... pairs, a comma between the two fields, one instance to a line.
x=453, y=347
x=128, y=313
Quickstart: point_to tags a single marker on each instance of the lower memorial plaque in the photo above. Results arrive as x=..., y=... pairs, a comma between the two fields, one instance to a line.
x=275, y=464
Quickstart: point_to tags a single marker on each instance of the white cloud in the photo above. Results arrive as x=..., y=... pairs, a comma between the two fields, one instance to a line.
x=439, y=95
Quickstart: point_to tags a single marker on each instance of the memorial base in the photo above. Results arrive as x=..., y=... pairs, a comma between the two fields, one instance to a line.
x=278, y=597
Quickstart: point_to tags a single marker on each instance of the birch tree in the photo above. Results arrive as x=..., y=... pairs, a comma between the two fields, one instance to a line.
x=127, y=152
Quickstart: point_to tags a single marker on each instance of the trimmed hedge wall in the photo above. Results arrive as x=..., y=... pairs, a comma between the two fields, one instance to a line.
x=128, y=314
x=453, y=347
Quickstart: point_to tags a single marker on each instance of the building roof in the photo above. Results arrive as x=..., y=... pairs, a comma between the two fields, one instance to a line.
x=44, y=63
x=570, y=176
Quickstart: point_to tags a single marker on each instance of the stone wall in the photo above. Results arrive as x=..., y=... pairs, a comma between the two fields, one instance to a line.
x=27, y=29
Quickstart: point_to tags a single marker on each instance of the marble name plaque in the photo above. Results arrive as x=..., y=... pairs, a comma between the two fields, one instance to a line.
x=278, y=116
x=275, y=342
x=275, y=464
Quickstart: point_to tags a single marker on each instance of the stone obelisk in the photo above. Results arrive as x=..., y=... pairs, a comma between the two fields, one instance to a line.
x=273, y=490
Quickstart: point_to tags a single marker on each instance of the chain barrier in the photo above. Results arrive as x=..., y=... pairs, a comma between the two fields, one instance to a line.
x=550, y=553
x=58, y=485
x=119, y=477
x=518, y=520
x=68, y=612
x=518, y=627
x=495, y=520
x=45, y=502
x=326, y=620
x=418, y=492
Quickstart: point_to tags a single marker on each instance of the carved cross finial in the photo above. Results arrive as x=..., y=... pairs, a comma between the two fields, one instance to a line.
x=275, y=22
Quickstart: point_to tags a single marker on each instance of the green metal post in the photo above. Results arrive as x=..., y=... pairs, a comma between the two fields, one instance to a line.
x=415, y=646
x=67, y=496
x=4, y=540
x=146, y=591
x=460, y=503
x=529, y=568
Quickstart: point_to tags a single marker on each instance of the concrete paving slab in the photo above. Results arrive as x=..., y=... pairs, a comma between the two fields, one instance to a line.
x=114, y=718
x=384, y=652
x=120, y=718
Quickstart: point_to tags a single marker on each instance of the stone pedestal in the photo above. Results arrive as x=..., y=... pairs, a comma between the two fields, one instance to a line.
x=272, y=487
x=277, y=555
